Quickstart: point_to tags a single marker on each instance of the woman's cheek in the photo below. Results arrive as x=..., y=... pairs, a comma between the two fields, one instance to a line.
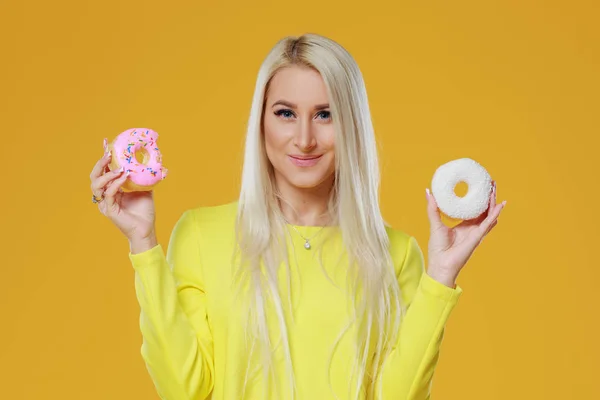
x=329, y=138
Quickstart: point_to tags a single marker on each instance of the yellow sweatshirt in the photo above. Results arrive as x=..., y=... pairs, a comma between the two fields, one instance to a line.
x=194, y=341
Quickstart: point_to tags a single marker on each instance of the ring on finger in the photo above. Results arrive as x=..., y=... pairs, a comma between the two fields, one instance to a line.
x=96, y=200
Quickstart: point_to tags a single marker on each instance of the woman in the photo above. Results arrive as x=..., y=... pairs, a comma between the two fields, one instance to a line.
x=299, y=289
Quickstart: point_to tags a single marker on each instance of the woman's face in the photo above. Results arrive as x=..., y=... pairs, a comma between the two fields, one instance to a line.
x=298, y=129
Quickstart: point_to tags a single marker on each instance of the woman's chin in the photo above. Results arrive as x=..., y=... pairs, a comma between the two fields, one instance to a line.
x=307, y=182
x=305, y=185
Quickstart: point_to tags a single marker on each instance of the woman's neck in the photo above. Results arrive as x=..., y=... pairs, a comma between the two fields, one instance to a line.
x=305, y=207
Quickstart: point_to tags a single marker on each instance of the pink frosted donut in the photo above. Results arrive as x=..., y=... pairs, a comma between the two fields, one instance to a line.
x=136, y=151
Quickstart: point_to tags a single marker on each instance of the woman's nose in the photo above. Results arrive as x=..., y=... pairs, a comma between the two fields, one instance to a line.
x=305, y=139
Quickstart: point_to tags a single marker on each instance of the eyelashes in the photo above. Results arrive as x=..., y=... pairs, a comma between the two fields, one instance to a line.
x=288, y=114
x=327, y=114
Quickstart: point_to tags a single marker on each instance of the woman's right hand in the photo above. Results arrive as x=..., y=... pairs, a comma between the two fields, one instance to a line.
x=132, y=212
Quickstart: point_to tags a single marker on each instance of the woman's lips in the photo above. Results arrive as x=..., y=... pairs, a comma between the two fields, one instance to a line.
x=305, y=161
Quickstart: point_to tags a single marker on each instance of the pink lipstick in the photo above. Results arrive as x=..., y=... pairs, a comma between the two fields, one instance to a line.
x=305, y=161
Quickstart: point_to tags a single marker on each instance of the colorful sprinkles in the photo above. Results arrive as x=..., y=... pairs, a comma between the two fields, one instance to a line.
x=146, y=141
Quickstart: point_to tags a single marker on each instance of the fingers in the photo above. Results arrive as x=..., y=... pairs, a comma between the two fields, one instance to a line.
x=492, y=226
x=435, y=220
x=106, y=152
x=493, y=213
x=100, y=183
x=100, y=176
x=493, y=195
x=100, y=166
x=492, y=216
x=113, y=188
x=489, y=230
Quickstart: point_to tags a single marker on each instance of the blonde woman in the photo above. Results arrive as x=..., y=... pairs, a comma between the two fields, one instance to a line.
x=297, y=290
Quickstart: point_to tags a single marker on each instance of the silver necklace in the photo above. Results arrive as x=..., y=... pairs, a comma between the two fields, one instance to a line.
x=307, y=245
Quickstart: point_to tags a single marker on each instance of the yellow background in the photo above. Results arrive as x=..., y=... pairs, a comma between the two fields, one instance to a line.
x=513, y=85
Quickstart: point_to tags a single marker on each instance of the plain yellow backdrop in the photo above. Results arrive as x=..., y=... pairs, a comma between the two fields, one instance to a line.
x=513, y=85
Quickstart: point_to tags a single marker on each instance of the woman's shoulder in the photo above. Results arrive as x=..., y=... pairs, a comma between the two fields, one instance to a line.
x=219, y=211
x=401, y=244
x=215, y=218
x=398, y=238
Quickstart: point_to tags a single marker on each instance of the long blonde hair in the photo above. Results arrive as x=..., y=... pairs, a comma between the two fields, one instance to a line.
x=353, y=206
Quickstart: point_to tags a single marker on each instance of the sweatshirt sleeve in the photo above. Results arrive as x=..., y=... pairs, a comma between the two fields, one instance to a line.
x=408, y=371
x=177, y=345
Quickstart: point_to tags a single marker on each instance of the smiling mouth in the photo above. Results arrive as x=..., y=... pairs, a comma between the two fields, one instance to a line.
x=305, y=161
x=306, y=158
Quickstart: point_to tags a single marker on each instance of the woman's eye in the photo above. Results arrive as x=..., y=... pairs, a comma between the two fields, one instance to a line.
x=324, y=114
x=284, y=113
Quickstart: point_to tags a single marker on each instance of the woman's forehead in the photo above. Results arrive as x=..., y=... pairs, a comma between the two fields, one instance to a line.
x=299, y=86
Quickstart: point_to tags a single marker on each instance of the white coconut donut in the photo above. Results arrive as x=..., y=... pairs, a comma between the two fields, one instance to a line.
x=475, y=202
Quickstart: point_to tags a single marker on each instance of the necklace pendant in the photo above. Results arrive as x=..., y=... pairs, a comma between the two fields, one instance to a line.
x=307, y=245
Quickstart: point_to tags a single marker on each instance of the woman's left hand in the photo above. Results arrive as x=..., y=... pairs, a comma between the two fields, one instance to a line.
x=450, y=248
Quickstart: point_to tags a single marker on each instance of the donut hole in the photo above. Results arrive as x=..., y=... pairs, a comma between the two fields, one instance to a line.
x=142, y=156
x=461, y=189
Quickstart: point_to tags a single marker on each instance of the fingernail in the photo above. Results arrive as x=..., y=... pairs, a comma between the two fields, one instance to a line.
x=127, y=174
x=504, y=203
x=121, y=169
x=427, y=193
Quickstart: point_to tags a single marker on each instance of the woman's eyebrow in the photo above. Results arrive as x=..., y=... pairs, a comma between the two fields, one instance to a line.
x=293, y=106
x=320, y=107
x=284, y=103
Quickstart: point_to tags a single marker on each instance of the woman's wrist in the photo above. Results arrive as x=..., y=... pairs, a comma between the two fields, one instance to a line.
x=444, y=278
x=141, y=245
